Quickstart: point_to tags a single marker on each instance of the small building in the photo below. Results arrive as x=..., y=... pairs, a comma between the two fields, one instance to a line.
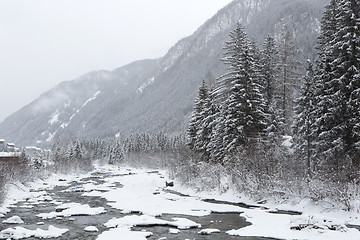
x=11, y=147
x=8, y=152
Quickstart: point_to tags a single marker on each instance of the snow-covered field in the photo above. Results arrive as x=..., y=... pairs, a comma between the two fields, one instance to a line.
x=136, y=204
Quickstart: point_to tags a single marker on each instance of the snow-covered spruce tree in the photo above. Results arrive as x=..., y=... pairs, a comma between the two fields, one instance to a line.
x=116, y=153
x=196, y=118
x=207, y=126
x=274, y=124
x=338, y=123
x=244, y=111
x=287, y=77
x=216, y=145
x=347, y=40
x=303, y=128
x=324, y=88
x=78, y=151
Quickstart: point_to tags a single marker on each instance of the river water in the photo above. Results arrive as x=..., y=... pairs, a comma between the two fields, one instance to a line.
x=30, y=210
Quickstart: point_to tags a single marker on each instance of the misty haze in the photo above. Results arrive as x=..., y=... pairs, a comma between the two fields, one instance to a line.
x=220, y=119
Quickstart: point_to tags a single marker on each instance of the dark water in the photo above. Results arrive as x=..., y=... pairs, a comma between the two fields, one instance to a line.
x=221, y=221
x=76, y=224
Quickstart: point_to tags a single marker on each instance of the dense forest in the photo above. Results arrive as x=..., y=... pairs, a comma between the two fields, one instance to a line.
x=243, y=120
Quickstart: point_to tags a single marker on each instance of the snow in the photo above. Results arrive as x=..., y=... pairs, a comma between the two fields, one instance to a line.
x=143, y=220
x=14, y=220
x=139, y=187
x=8, y=154
x=315, y=221
x=174, y=231
x=20, y=233
x=137, y=195
x=64, y=125
x=125, y=233
x=208, y=231
x=91, y=229
x=54, y=118
x=51, y=136
x=287, y=141
x=17, y=191
x=72, y=209
x=90, y=99
x=265, y=224
x=142, y=88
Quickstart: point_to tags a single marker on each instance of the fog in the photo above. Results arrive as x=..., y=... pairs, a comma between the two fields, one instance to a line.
x=43, y=43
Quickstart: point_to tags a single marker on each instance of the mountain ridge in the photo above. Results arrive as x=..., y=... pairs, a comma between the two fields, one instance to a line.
x=155, y=94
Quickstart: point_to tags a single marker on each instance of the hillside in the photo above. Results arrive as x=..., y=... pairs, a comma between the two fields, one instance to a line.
x=156, y=95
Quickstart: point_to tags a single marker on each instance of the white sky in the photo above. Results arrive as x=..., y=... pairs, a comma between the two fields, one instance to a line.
x=45, y=42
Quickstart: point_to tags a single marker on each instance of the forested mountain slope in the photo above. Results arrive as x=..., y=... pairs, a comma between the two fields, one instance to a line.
x=157, y=95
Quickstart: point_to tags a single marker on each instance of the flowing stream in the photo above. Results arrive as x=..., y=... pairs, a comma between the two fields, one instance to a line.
x=73, y=192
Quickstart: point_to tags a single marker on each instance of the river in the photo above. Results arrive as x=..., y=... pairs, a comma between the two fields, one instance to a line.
x=122, y=203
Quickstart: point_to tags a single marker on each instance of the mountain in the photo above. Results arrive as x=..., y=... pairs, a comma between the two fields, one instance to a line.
x=156, y=95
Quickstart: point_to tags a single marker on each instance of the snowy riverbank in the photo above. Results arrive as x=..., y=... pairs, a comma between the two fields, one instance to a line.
x=137, y=204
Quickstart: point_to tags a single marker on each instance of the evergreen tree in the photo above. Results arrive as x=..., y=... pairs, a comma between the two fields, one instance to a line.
x=287, y=77
x=303, y=130
x=196, y=117
x=338, y=83
x=268, y=68
x=207, y=125
x=324, y=87
x=78, y=152
x=244, y=112
x=347, y=41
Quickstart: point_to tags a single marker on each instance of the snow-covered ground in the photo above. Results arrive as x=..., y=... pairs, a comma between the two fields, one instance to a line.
x=136, y=203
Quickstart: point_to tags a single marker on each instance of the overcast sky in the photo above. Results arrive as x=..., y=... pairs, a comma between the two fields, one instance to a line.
x=45, y=42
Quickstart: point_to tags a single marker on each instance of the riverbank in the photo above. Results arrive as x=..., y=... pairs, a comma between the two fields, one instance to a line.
x=136, y=202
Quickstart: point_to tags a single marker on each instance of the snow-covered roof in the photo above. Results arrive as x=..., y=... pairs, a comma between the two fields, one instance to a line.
x=2, y=140
x=11, y=144
x=32, y=148
x=7, y=154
